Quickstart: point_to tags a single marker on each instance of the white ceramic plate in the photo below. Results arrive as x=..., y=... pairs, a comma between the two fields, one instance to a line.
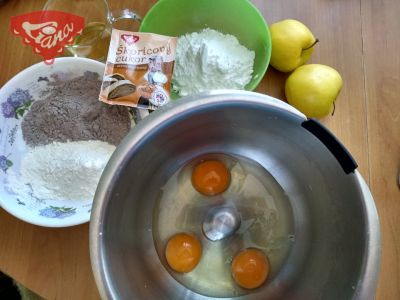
x=16, y=96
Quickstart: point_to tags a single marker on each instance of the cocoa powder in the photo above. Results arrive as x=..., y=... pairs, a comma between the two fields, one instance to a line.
x=71, y=111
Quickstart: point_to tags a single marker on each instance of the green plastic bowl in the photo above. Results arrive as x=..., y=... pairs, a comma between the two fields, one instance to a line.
x=239, y=18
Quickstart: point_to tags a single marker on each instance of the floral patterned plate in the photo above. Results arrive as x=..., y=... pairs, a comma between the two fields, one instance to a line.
x=16, y=97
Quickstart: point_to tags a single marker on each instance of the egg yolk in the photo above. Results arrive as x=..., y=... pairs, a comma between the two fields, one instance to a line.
x=250, y=268
x=183, y=252
x=211, y=178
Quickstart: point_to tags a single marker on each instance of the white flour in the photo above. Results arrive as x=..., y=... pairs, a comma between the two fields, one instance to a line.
x=211, y=60
x=65, y=171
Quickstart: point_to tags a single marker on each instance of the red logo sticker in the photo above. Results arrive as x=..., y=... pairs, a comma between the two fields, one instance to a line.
x=48, y=32
x=130, y=39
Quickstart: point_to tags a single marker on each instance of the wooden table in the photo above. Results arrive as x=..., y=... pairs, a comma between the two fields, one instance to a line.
x=360, y=38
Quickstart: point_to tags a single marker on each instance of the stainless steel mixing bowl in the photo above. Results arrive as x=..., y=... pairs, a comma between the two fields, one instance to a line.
x=336, y=251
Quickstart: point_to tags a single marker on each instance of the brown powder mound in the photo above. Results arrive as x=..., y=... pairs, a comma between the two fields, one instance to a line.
x=71, y=111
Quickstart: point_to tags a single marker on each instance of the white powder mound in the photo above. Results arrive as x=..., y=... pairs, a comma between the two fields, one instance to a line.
x=65, y=171
x=211, y=60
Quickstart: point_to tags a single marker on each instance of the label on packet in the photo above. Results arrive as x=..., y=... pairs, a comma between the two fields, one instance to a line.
x=139, y=69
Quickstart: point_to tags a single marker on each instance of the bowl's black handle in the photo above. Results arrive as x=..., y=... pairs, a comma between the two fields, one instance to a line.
x=332, y=143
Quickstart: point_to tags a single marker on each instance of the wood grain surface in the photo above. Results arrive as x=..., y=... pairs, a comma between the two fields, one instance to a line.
x=359, y=38
x=381, y=40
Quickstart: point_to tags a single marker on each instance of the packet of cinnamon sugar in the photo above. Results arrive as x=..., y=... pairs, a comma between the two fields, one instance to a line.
x=139, y=69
